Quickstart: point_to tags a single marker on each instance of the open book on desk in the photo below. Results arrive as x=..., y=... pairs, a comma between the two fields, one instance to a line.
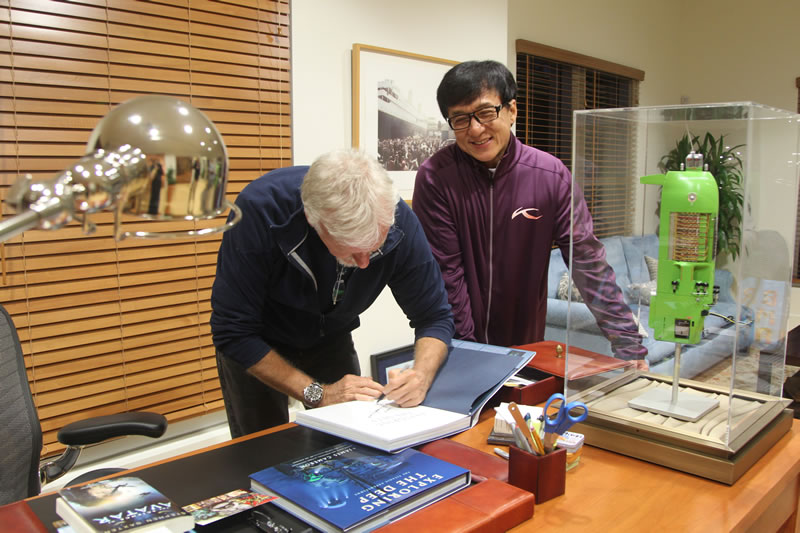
x=469, y=377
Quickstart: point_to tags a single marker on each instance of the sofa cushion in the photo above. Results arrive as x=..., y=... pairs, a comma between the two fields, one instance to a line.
x=567, y=289
x=724, y=280
x=640, y=293
x=636, y=248
x=554, y=273
x=652, y=266
x=615, y=257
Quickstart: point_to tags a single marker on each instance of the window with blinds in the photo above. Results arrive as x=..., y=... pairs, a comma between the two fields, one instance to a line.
x=552, y=83
x=110, y=326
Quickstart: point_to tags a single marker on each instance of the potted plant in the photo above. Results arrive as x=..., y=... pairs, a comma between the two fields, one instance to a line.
x=725, y=164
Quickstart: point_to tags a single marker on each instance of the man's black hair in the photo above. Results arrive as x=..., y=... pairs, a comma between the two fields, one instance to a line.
x=466, y=81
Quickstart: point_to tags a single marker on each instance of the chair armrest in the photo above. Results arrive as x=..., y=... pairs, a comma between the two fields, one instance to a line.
x=100, y=428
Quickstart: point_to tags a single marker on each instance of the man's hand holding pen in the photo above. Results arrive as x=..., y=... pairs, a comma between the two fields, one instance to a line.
x=406, y=387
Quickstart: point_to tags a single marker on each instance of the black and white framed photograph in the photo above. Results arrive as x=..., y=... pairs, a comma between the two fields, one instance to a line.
x=395, y=115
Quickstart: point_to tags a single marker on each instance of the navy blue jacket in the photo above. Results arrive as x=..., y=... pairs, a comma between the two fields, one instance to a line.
x=275, y=276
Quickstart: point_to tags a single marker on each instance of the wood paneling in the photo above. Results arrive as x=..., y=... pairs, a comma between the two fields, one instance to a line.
x=112, y=326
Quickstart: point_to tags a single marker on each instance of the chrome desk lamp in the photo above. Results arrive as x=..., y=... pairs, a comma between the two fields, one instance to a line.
x=152, y=156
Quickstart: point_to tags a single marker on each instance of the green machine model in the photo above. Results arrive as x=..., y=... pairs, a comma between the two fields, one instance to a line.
x=685, y=288
x=686, y=252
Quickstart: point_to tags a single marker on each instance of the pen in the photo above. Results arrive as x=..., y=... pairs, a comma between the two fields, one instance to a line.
x=538, y=441
x=501, y=453
x=522, y=441
x=536, y=428
x=531, y=438
x=377, y=405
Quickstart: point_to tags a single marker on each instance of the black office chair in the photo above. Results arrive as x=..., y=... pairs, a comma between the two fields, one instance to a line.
x=21, y=474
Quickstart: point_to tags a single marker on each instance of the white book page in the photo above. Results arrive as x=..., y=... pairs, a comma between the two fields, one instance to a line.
x=382, y=421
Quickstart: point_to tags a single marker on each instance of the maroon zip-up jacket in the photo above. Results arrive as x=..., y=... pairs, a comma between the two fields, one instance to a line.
x=492, y=232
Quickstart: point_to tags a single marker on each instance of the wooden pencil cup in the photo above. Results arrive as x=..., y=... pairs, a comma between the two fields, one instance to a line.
x=543, y=475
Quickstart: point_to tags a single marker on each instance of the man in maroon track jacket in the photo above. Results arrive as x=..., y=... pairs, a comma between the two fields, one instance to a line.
x=492, y=207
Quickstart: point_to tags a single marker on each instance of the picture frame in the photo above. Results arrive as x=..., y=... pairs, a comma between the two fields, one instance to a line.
x=395, y=115
x=398, y=358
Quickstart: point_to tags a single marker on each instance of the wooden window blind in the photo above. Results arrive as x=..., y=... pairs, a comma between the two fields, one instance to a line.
x=552, y=83
x=110, y=326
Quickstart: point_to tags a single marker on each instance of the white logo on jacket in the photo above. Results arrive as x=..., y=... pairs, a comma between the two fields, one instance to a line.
x=527, y=213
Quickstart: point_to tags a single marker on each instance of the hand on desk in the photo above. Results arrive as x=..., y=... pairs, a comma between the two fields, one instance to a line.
x=351, y=387
x=407, y=387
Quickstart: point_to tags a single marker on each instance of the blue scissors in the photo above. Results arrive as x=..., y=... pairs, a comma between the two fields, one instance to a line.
x=558, y=425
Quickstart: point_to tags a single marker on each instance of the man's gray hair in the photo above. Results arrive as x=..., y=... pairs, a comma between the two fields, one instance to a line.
x=351, y=195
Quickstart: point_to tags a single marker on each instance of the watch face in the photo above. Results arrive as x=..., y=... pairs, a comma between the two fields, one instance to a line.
x=313, y=394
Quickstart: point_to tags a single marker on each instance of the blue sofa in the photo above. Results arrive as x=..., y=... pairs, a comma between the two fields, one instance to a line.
x=626, y=255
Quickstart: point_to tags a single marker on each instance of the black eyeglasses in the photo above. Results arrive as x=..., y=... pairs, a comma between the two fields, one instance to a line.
x=482, y=116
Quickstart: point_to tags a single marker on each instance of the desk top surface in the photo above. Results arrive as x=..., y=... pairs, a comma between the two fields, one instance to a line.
x=612, y=492
x=606, y=491
x=196, y=476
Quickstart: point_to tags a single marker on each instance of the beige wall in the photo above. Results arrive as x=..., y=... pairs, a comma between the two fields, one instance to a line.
x=323, y=34
x=743, y=51
x=629, y=32
x=708, y=51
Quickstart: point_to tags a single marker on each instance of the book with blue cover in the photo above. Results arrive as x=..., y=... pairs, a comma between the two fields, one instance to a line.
x=351, y=488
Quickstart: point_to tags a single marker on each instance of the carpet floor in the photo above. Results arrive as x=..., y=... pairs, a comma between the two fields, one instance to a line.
x=752, y=374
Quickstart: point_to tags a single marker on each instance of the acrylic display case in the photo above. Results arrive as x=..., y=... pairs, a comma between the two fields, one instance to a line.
x=705, y=272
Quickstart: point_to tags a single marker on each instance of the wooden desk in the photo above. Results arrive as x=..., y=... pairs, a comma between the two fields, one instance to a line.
x=612, y=492
x=606, y=492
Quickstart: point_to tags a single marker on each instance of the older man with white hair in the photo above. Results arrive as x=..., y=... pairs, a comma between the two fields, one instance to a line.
x=315, y=248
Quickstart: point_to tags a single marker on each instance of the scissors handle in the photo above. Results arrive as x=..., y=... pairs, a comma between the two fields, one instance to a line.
x=564, y=419
x=571, y=406
x=553, y=398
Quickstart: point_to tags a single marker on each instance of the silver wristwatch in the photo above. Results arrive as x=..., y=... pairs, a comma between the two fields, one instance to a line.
x=312, y=394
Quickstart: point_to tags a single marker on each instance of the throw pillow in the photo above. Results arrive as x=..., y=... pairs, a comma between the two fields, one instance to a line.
x=642, y=331
x=639, y=293
x=565, y=287
x=652, y=266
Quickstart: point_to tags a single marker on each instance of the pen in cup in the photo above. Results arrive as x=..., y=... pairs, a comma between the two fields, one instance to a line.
x=531, y=438
x=522, y=442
